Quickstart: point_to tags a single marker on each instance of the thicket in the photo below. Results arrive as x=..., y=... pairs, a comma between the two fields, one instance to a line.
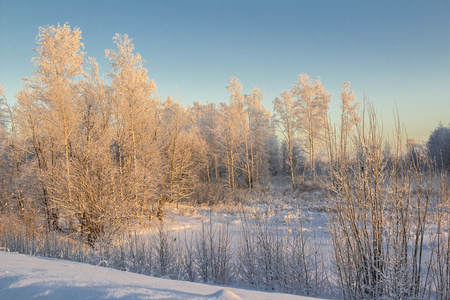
x=263, y=256
x=390, y=218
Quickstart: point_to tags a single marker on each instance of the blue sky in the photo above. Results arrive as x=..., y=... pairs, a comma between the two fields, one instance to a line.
x=396, y=52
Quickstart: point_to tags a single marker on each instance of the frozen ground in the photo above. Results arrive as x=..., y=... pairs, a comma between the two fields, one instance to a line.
x=29, y=277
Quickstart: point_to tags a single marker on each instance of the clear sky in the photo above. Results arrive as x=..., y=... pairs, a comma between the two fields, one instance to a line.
x=396, y=52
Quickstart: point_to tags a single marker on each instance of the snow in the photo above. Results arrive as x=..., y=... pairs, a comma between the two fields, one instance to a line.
x=29, y=277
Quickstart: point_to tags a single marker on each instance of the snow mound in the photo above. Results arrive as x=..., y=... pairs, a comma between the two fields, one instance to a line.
x=224, y=295
x=30, y=277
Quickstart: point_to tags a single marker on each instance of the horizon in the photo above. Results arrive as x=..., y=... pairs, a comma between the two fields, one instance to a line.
x=397, y=54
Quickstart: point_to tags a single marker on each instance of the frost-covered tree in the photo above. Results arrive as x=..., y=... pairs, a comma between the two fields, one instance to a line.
x=97, y=208
x=243, y=131
x=349, y=119
x=5, y=163
x=135, y=123
x=439, y=146
x=287, y=122
x=3, y=109
x=206, y=117
x=19, y=188
x=259, y=131
x=311, y=107
x=59, y=62
x=183, y=153
x=233, y=133
x=349, y=113
x=48, y=102
x=32, y=138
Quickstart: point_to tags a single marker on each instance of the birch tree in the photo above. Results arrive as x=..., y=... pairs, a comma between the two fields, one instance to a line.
x=259, y=130
x=97, y=209
x=59, y=62
x=3, y=109
x=349, y=114
x=135, y=121
x=239, y=131
x=287, y=122
x=32, y=140
x=311, y=105
x=48, y=102
x=337, y=149
x=208, y=123
x=183, y=154
x=232, y=126
x=5, y=166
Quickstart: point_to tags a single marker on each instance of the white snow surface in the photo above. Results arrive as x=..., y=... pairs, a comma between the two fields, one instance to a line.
x=29, y=277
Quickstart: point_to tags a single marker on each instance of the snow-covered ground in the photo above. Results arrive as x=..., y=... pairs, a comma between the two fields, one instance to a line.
x=30, y=277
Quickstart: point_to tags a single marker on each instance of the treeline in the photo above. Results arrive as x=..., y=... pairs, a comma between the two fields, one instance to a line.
x=89, y=154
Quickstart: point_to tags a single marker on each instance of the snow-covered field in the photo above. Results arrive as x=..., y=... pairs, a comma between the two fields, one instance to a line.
x=273, y=229
x=29, y=277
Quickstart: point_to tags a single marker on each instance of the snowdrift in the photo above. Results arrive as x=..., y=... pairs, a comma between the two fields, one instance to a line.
x=30, y=277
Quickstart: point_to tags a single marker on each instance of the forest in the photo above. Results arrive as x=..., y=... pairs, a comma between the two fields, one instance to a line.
x=95, y=169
